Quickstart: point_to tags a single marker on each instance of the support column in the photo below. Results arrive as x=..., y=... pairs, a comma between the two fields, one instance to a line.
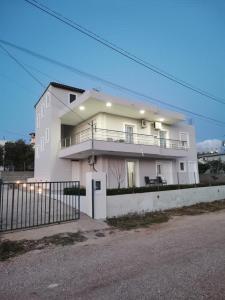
x=96, y=194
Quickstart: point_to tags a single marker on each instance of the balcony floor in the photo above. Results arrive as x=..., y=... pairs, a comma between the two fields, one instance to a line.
x=83, y=150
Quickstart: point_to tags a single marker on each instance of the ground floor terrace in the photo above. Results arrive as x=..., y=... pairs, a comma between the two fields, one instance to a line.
x=128, y=172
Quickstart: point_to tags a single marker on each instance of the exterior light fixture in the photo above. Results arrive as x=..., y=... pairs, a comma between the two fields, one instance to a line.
x=82, y=108
x=39, y=191
x=24, y=185
x=142, y=111
x=32, y=187
x=108, y=104
x=161, y=120
x=18, y=182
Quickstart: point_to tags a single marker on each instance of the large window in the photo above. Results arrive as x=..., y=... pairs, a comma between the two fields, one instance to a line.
x=131, y=173
x=129, y=134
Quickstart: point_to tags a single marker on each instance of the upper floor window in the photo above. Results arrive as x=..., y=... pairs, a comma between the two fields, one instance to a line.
x=42, y=110
x=47, y=100
x=184, y=138
x=38, y=120
x=72, y=97
x=46, y=135
x=42, y=143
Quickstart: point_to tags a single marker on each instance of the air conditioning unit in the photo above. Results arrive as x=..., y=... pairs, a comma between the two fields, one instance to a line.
x=158, y=125
x=91, y=159
x=143, y=123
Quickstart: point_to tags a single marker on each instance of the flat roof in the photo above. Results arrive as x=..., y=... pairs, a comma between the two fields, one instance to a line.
x=61, y=86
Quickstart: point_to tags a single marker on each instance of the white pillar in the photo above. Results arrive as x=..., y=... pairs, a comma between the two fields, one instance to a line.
x=98, y=196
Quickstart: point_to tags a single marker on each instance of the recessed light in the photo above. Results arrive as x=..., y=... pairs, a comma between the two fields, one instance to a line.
x=142, y=111
x=82, y=108
x=161, y=119
x=108, y=104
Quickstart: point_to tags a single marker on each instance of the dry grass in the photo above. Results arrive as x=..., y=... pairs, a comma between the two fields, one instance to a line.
x=132, y=221
x=13, y=248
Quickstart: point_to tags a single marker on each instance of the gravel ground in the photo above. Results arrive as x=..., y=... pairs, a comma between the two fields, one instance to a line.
x=181, y=259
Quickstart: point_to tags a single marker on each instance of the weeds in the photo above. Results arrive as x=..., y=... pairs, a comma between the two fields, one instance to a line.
x=13, y=248
x=133, y=221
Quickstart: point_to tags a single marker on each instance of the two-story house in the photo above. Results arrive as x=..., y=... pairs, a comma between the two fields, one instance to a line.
x=80, y=130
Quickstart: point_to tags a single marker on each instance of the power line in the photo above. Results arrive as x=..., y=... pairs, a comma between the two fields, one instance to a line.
x=36, y=79
x=111, y=84
x=122, y=51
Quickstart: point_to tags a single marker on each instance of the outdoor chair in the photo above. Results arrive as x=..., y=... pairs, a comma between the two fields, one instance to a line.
x=147, y=180
x=161, y=180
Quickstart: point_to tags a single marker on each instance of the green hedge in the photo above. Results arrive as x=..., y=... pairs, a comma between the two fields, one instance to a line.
x=75, y=191
x=143, y=189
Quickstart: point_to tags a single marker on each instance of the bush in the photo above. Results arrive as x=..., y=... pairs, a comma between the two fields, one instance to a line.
x=142, y=189
x=75, y=191
x=145, y=189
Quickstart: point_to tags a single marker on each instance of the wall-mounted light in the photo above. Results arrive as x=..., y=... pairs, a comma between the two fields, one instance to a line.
x=142, y=111
x=161, y=120
x=82, y=108
x=108, y=104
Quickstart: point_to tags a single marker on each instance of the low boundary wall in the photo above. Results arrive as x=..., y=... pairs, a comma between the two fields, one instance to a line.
x=119, y=205
x=13, y=176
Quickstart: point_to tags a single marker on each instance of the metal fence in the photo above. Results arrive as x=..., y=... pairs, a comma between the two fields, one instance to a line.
x=107, y=135
x=24, y=205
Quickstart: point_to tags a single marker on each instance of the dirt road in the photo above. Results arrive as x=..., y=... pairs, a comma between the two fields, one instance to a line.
x=181, y=259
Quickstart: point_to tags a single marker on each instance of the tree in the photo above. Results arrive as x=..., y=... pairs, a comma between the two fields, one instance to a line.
x=203, y=167
x=19, y=156
x=216, y=166
x=1, y=155
x=116, y=168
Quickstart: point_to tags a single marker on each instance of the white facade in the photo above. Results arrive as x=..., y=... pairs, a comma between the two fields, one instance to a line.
x=126, y=140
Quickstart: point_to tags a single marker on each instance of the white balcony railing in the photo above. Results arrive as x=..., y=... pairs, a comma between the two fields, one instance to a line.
x=115, y=136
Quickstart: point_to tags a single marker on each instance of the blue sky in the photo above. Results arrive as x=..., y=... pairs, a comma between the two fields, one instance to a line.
x=183, y=37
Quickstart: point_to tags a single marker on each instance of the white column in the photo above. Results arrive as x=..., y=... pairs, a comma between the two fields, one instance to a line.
x=99, y=194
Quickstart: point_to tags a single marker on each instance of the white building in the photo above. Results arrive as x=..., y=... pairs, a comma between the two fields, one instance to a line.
x=127, y=140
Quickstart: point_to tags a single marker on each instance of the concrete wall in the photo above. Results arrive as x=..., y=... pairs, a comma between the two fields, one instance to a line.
x=16, y=176
x=137, y=203
x=48, y=166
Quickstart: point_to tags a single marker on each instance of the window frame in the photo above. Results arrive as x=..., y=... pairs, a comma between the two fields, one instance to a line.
x=187, y=135
x=47, y=137
x=185, y=166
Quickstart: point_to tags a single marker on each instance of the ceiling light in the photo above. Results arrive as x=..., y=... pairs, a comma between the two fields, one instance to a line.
x=108, y=104
x=82, y=108
x=142, y=111
x=161, y=119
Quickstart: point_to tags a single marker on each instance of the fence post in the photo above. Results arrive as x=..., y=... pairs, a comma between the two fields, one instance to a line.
x=12, y=209
x=49, y=204
x=93, y=198
x=178, y=180
x=195, y=178
x=96, y=192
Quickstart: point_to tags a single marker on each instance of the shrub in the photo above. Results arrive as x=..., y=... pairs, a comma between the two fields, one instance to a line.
x=145, y=189
x=142, y=189
x=75, y=191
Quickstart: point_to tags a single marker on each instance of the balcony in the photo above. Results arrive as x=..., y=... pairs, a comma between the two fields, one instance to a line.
x=104, y=141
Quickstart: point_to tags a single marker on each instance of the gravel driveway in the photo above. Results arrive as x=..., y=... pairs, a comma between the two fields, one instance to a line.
x=181, y=259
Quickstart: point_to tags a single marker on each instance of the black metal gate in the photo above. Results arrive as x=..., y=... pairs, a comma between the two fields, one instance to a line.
x=24, y=205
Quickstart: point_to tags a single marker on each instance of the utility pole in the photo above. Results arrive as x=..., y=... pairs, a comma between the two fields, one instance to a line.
x=92, y=146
